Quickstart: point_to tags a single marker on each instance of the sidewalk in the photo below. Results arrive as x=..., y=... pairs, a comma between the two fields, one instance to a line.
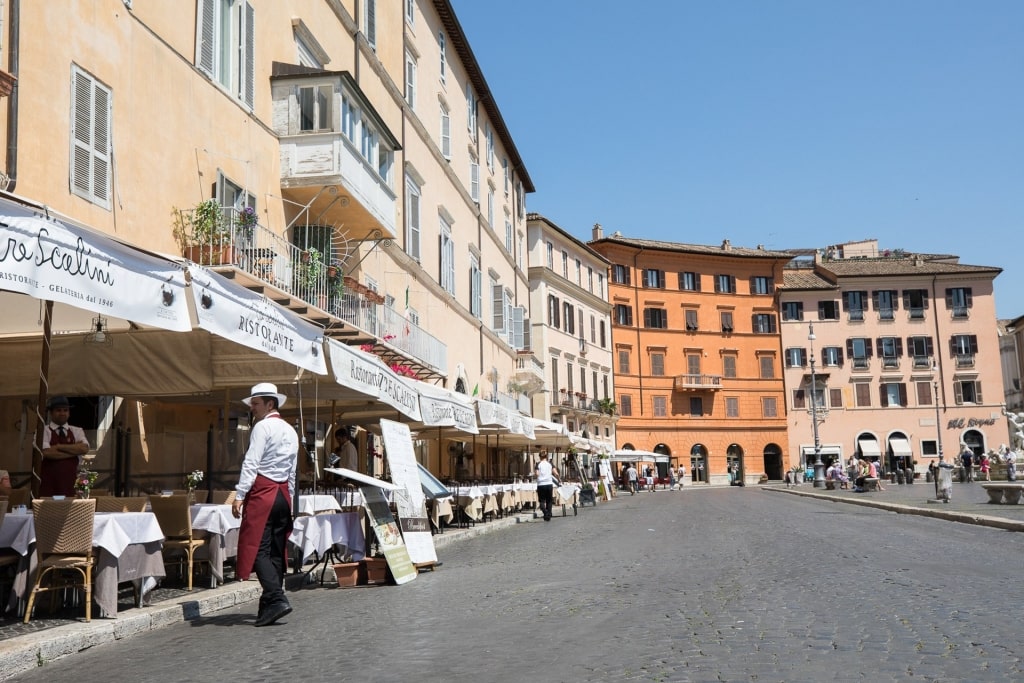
x=27, y=646
x=969, y=503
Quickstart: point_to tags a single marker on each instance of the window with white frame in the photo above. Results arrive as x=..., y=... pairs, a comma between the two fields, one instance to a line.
x=490, y=207
x=600, y=285
x=509, y=319
x=412, y=218
x=509, y=236
x=489, y=137
x=447, y=257
x=964, y=347
x=885, y=301
x=893, y=394
x=565, y=264
x=497, y=307
x=921, y=350
x=474, y=180
x=475, y=285
x=370, y=22
x=471, y=111
x=349, y=118
x=442, y=45
x=959, y=301
x=91, y=104
x=654, y=278
x=225, y=42
x=446, y=133
x=504, y=173
x=890, y=349
x=859, y=350
x=689, y=281
x=579, y=273
x=966, y=391
x=760, y=284
x=796, y=357
x=410, y=12
x=792, y=310
x=410, y=80
x=315, y=108
x=831, y=356
x=550, y=250
x=590, y=279
x=855, y=302
x=725, y=284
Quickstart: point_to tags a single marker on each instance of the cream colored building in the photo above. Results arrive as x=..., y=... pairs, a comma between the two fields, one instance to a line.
x=1011, y=355
x=904, y=354
x=388, y=193
x=570, y=354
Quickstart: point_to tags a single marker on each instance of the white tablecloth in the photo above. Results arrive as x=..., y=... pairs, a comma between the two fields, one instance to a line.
x=18, y=532
x=310, y=504
x=317, y=533
x=221, y=529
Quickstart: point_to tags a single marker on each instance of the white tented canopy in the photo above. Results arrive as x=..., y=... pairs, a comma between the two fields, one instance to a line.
x=625, y=455
x=869, y=448
x=900, y=447
x=832, y=451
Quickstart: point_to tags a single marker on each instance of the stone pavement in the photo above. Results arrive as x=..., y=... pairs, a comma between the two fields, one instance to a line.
x=30, y=649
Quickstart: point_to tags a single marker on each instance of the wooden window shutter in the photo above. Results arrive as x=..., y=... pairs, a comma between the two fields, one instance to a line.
x=849, y=347
x=977, y=393
x=924, y=298
x=929, y=348
x=899, y=347
x=903, y=394
x=696, y=282
x=248, y=86
x=874, y=300
x=867, y=346
x=90, y=139
x=949, y=298
x=839, y=355
x=205, y=37
x=974, y=343
x=968, y=297
x=958, y=393
x=883, y=396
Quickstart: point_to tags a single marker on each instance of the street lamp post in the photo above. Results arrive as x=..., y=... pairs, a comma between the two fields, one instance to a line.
x=819, y=467
x=938, y=418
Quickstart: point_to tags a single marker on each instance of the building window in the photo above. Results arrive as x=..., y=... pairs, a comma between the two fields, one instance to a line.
x=550, y=249
x=885, y=301
x=769, y=407
x=916, y=302
x=474, y=180
x=929, y=447
x=590, y=279
x=831, y=356
x=370, y=23
x=959, y=301
x=225, y=43
x=892, y=394
x=799, y=399
x=859, y=351
x=498, y=307
x=693, y=364
x=862, y=394
x=489, y=146
x=625, y=405
x=442, y=44
x=554, y=312
x=471, y=112
x=764, y=323
x=475, y=288
x=600, y=286
x=890, y=349
x=315, y=108
x=656, y=318
x=966, y=391
x=410, y=80
x=725, y=284
x=579, y=273
x=658, y=364
x=767, y=365
x=921, y=351
x=853, y=304
x=90, y=138
x=446, y=133
x=691, y=319
x=796, y=357
x=828, y=310
x=623, y=314
x=504, y=172
x=600, y=334
x=593, y=329
x=760, y=284
x=732, y=406
x=490, y=214
x=624, y=361
x=412, y=218
x=447, y=258
x=654, y=279
x=924, y=393
x=835, y=398
x=727, y=325
x=964, y=347
x=689, y=282
x=793, y=310
x=568, y=318
x=660, y=406
x=565, y=264
x=555, y=386
x=696, y=406
x=729, y=366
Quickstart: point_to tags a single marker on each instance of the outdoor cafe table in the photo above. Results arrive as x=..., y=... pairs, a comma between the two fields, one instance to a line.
x=471, y=502
x=440, y=510
x=566, y=494
x=221, y=527
x=319, y=533
x=311, y=504
x=129, y=546
x=527, y=493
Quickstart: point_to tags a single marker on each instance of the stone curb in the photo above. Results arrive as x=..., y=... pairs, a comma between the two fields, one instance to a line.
x=33, y=650
x=937, y=513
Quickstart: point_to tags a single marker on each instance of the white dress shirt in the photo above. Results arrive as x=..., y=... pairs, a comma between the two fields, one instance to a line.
x=51, y=430
x=544, y=477
x=273, y=452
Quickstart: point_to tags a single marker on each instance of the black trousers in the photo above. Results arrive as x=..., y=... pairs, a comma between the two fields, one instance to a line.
x=544, y=498
x=270, y=558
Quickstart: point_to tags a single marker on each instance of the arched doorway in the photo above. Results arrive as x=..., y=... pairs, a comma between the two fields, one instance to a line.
x=773, y=461
x=734, y=462
x=698, y=462
x=663, y=449
x=867, y=447
x=898, y=455
x=975, y=440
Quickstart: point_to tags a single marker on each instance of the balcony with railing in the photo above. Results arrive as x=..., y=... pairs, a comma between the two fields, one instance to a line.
x=965, y=360
x=529, y=372
x=697, y=382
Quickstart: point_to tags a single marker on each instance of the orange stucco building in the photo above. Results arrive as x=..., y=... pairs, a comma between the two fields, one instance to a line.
x=697, y=354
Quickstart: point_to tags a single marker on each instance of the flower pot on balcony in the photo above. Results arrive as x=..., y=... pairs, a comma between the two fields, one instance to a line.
x=210, y=254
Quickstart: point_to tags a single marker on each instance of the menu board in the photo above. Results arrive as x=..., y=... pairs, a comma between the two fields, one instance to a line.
x=409, y=498
x=388, y=536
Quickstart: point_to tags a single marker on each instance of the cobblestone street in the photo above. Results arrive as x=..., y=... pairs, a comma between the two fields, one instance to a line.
x=713, y=585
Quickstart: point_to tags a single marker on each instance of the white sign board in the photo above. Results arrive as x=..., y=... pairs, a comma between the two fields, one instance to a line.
x=409, y=500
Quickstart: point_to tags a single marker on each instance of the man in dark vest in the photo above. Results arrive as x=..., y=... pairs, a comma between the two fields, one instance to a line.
x=263, y=499
x=63, y=448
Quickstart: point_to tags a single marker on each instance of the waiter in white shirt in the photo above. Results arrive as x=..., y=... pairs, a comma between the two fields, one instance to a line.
x=545, y=484
x=263, y=499
x=63, y=448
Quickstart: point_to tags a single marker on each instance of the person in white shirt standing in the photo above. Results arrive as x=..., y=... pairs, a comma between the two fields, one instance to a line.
x=545, y=485
x=263, y=499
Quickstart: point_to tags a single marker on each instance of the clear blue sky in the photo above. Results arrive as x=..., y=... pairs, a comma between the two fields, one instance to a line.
x=789, y=123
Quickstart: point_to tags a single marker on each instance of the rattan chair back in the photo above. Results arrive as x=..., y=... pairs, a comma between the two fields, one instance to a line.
x=64, y=527
x=19, y=497
x=173, y=515
x=127, y=504
x=198, y=496
x=222, y=497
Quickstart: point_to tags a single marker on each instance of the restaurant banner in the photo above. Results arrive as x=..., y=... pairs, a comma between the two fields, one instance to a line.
x=52, y=260
x=366, y=373
x=440, y=407
x=520, y=424
x=388, y=536
x=252, y=320
x=409, y=499
x=492, y=414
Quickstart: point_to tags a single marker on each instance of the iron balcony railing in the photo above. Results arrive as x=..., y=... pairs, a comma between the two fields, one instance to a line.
x=698, y=381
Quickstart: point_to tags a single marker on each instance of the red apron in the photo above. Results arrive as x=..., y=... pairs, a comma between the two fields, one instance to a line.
x=255, y=512
x=58, y=476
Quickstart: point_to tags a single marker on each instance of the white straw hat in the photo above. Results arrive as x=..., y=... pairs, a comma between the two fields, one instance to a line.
x=265, y=389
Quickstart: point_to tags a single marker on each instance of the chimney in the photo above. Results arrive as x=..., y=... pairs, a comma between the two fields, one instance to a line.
x=598, y=232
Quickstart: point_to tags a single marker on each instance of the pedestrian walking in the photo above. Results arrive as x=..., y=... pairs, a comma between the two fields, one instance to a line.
x=1010, y=458
x=546, y=474
x=967, y=459
x=682, y=475
x=263, y=499
x=631, y=478
x=986, y=467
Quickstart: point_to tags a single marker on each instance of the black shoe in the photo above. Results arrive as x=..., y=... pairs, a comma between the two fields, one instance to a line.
x=273, y=613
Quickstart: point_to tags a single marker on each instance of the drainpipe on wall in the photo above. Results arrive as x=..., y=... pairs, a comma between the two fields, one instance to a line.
x=12, y=99
x=639, y=355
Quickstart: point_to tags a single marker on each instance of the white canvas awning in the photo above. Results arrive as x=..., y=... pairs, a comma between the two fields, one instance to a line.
x=626, y=455
x=869, y=448
x=900, y=447
x=832, y=451
x=440, y=407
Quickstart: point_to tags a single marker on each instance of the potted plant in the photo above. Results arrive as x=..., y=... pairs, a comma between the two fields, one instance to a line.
x=85, y=480
x=203, y=234
x=346, y=571
x=607, y=406
x=310, y=273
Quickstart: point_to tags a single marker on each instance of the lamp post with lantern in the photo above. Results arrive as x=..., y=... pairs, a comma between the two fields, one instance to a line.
x=938, y=419
x=819, y=467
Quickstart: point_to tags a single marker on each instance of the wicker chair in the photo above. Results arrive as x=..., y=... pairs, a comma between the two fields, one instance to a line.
x=222, y=497
x=175, y=519
x=8, y=558
x=63, y=544
x=19, y=497
x=198, y=496
x=128, y=504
